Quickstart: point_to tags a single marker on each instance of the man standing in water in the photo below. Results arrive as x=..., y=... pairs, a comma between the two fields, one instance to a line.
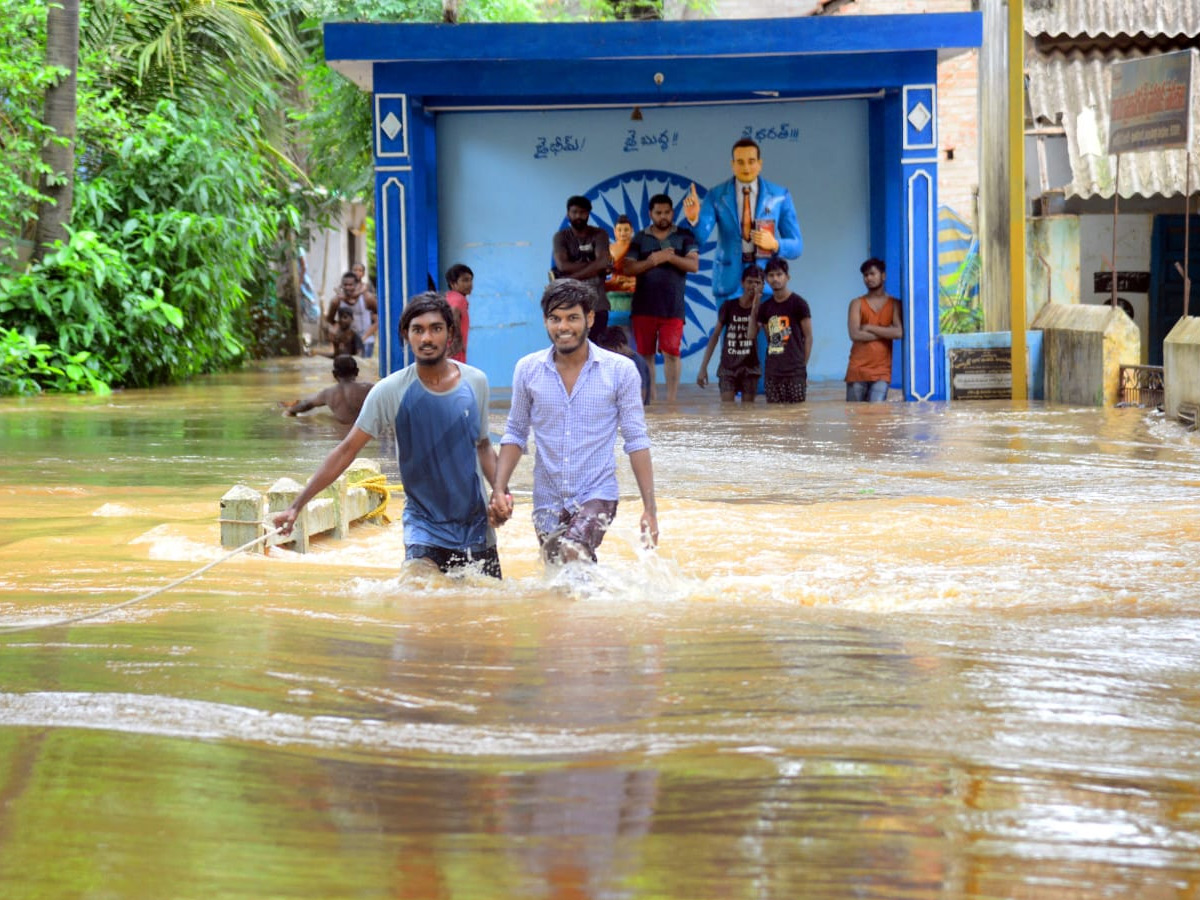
x=660, y=257
x=438, y=408
x=873, y=322
x=576, y=396
x=788, y=322
x=738, y=370
x=581, y=252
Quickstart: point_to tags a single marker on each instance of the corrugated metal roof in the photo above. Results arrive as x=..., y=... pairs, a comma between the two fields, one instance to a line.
x=1076, y=86
x=1112, y=17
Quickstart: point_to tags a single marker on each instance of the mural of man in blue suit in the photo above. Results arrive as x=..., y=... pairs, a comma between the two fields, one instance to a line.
x=755, y=220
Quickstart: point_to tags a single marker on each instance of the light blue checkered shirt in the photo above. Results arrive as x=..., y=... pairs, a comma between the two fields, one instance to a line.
x=576, y=433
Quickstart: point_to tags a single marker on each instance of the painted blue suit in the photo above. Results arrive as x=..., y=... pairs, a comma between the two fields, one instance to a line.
x=722, y=207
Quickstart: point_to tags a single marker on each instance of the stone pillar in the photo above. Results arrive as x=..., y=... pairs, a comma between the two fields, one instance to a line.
x=241, y=516
x=1084, y=347
x=406, y=218
x=920, y=293
x=279, y=498
x=1181, y=367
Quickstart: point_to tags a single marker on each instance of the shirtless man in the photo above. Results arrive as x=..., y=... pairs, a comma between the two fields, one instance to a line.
x=345, y=340
x=344, y=399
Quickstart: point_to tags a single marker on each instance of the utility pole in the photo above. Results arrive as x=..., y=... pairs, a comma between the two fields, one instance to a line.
x=1002, y=178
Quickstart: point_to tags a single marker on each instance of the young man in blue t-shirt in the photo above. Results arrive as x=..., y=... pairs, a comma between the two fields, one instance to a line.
x=438, y=408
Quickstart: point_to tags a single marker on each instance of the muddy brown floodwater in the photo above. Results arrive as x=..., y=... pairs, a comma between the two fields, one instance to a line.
x=897, y=651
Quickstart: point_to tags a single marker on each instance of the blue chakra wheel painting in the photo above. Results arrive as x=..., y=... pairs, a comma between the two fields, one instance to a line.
x=629, y=195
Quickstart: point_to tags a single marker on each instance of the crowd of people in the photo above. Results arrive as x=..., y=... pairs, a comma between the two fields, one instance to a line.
x=757, y=232
x=588, y=385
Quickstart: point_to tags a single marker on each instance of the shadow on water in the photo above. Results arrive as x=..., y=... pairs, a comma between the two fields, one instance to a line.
x=896, y=651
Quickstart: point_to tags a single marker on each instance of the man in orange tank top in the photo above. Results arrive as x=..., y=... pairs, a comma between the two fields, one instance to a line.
x=874, y=322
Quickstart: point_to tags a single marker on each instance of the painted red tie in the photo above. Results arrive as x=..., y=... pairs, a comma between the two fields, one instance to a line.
x=747, y=220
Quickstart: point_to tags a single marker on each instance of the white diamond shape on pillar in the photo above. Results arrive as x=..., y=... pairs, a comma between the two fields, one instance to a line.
x=391, y=126
x=919, y=117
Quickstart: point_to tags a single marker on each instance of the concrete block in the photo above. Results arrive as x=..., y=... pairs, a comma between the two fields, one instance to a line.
x=280, y=497
x=241, y=516
x=1083, y=349
x=1181, y=366
x=331, y=511
x=360, y=501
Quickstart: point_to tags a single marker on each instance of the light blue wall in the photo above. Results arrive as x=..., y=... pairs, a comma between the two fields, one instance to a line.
x=503, y=179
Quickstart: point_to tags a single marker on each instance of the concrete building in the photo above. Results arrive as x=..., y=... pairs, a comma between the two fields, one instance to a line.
x=1072, y=181
x=483, y=131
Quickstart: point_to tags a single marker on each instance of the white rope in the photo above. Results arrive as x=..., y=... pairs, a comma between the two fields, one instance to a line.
x=100, y=612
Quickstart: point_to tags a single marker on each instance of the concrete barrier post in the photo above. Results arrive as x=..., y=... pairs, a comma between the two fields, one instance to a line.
x=241, y=516
x=360, y=501
x=1181, y=366
x=1084, y=346
x=279, y=498
x=341, y=513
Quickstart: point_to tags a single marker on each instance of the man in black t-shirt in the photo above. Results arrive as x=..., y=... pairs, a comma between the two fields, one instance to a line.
x=738, y=370
x=660, y=257
x=581, y=252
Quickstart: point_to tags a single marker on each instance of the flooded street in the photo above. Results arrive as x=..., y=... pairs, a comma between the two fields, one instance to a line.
x=898, y=651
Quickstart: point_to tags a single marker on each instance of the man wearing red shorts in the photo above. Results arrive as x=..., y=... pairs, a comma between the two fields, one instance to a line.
x=661, y=257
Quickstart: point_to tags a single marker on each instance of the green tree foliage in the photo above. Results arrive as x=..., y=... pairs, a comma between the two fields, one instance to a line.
x=169, y=241
x=960, y=308
x=24, y=77
x=182, y=202
x=210, y=134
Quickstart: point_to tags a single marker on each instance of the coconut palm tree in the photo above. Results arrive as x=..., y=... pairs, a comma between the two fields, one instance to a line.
x=62, y=51
x=189, y=51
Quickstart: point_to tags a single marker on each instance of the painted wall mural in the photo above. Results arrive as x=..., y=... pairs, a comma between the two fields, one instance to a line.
x=503, y=179
x=629, y=195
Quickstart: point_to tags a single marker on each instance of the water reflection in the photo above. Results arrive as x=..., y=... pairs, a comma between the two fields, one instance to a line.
x=889, y=651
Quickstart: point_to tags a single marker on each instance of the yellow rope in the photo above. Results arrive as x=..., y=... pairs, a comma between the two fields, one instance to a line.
x=378, y=484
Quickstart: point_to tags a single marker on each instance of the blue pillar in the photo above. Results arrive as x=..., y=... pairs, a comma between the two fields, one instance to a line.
x=405, y=214
x=918, y=176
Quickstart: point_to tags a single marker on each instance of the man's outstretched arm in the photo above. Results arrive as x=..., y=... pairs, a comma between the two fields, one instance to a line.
x=335, y=464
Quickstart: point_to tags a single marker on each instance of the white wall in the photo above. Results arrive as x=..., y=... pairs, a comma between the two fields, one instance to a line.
x=327, y=254
x=501, y=201
x=1133, y=255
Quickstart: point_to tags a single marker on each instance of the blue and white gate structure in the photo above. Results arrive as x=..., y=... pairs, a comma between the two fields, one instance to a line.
x=481, y=132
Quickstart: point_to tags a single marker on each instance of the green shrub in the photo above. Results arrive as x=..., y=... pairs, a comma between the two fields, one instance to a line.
x=174, y=230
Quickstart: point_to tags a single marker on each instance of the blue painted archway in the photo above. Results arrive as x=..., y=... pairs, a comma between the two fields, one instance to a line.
x=722, y=78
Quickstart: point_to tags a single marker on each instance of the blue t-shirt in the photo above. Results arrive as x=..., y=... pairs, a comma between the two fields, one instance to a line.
x=445, y=491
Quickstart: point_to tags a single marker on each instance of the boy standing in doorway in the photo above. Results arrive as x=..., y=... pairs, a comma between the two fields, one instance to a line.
x=788, y=321
x=661, y=257
x=738, y=370
x=460, y=281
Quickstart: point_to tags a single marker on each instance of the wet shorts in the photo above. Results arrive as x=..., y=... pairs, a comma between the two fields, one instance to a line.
x=649, y=331
x=485, y=559
x=581, y=529
x=744, y=383
x=786, y=390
